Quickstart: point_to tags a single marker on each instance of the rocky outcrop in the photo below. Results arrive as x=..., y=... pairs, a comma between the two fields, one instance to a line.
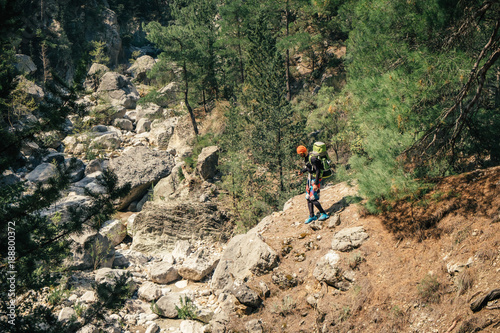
x=119, y=90
x=91, y=250
x=208, y=160
x=141, y=67
x=24, y=64
x=160, y=224
x=198, y=266
x=244, y=255
x=348, y=239
x=142, y=168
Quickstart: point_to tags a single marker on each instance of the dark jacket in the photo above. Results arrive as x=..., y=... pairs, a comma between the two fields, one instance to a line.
x=313, y=167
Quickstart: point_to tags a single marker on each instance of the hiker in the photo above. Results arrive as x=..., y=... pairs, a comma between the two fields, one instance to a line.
x=313, y=166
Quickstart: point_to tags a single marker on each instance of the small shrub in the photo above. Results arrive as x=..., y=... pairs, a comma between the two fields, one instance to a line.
x=355, y=259
x=79, y=309
x=428, y=289
x=187, y=309
x=345, y=313
x=154, y=308
x=287, y=306
x=57, y=296
x=464, y=281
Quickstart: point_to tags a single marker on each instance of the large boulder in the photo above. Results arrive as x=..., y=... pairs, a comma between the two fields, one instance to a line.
x=42, y=173
x=327, y=269
x=168, y=186
x=160, y=224
x=119, y=90
x=244, y=255
x=24, y=64
x=90, y=250
x=142, y=168
x=166, y=305
x=141, y=67
x=110, y=35
x=198, y=265
x=94, y=76
x=348, y=239
x=114, y=230
x=208, y=160
x=182, y=136
x=162, y=131
x=163, y=273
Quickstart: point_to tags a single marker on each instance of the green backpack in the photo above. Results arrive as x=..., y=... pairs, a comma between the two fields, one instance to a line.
x=319, y=151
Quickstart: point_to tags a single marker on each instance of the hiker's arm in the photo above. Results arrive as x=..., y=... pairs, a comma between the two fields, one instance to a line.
x=317, y=168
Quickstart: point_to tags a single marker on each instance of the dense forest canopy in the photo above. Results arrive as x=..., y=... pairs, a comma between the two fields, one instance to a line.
x=400, y=90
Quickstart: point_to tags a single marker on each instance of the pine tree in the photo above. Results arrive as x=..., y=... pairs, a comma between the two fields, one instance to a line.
x=406, y=63
x=274, y=125
x=190, y=43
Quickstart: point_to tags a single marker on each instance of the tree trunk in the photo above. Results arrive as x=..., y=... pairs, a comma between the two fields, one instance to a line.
x=186, y=101
x=288, y=92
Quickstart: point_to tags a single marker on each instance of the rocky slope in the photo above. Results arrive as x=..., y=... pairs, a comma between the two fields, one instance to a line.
x=416, y=268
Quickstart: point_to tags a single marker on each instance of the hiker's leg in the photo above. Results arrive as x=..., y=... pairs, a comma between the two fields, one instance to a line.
x=318, y=205
x=311, y=208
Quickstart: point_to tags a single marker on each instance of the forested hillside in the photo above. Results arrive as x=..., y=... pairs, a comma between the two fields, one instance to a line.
x=401, y=91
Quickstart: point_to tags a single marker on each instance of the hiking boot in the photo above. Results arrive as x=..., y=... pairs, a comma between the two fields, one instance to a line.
x=312, y=218
x=323, y=216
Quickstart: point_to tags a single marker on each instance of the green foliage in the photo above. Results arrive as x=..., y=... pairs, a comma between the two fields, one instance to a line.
x=114, y=294
x=57, y=296
x=428, y=289
x=187, y=310
x=98, y=53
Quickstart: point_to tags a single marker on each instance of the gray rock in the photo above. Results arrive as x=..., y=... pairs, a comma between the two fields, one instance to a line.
x=88, y=329
x=245, y=295
x=149, y=291
x=90, y=250
x=110, y=276
x=24, y=64
x=328, y=271
x=334, y=221
x=66, y=314
x=182, y=250
x=42, y=173
x=88, y=297
x=162, y=131
x=166, y=304
x=114, y=230
x=254, y=326
x=163, y=273
x=106, y=141
x=348, y=239
x=143, y=125
x=198, y=266
x=77, y=169
x=182, y=136
x=119, y=90
x=191, y=326
x=153, y=328
x=141, y=67
x=168, y=185
x=123, y=124
x=244, y=255
x=130, y=225
x=219, y=323
x=93, y=166
x=142, y=168
x=207, y=162
x=9, y=178
x=160, y=224
x=149, y=111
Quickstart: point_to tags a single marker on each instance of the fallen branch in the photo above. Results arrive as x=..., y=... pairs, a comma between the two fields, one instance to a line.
x=480, y=303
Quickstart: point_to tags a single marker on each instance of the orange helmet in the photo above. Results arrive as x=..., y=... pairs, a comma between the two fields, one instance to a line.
x=301, y=150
